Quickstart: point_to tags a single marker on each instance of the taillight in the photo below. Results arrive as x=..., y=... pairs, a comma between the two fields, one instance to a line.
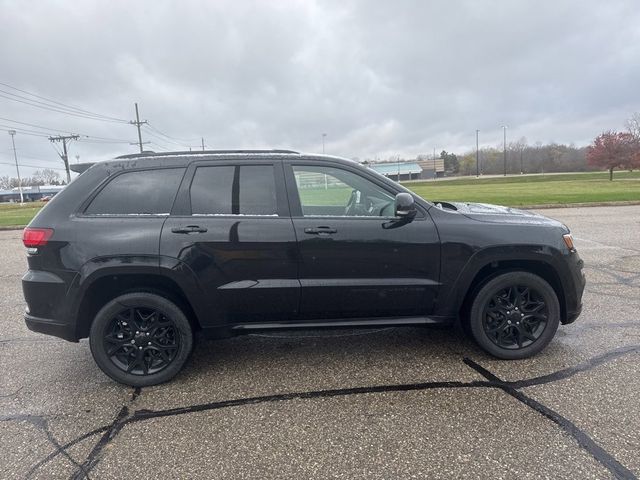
x=36, y=237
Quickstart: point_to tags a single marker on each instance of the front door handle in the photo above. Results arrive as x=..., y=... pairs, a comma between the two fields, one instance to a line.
x=189, y=229
x=320, y=230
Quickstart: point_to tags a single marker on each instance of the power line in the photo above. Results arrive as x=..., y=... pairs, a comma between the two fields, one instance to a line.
x=164, y=139
x=32, y=157
x=31, y=166
x=24, y=131
x=43, y=106
x=34, y=125
x=164, y=149
x=60, y=104
x=50, y=129
x=184, y=141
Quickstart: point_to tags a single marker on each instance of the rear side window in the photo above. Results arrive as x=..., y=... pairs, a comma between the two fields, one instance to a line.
x=143, y=192
x=234, y=190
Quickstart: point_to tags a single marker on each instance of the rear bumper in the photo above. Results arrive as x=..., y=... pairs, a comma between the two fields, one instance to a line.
x=46, y=297
x=50, y=327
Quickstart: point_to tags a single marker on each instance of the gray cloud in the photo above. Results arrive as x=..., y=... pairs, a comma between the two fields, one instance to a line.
x=380, y=78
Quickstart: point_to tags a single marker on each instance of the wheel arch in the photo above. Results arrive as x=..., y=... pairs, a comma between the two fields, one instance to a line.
x=493, y=269
x=101, y=288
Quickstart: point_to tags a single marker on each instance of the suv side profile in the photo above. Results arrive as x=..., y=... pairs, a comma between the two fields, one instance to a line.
x=141, y=252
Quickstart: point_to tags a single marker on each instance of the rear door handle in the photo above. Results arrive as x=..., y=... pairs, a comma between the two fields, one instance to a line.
x=189, y=229
x=320, y=230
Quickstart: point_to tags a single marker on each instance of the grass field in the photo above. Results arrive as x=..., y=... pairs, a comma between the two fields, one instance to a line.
x=14, y=214
x=512, y=191
x=535, y=189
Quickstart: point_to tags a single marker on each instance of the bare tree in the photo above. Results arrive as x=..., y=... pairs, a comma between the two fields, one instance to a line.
x=633, y=125
x=47, y=176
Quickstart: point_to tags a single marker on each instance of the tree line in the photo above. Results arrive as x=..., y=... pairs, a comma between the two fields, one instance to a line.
x=521, y=158
x=45, y=176
x=609, y=151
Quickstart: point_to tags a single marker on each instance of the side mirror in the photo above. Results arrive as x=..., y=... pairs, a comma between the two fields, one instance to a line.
x=405, y=206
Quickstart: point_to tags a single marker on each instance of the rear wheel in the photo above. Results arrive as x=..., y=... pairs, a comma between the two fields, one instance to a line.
x=141, y=339
x=515, y=315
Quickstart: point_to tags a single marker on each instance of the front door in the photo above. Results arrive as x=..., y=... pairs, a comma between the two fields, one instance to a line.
x=356, y=258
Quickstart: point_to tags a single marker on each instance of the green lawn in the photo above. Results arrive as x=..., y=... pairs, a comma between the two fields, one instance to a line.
x=534, y=190
x=14, y=214
x=512, y=191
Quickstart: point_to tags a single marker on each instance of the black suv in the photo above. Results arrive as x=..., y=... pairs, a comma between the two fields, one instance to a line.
x=140, y=252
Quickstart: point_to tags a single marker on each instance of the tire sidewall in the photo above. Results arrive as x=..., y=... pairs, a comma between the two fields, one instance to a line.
x=142, y=300
x=497, y=284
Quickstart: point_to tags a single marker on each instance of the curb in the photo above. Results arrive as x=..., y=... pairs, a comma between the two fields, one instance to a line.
x=620, y=203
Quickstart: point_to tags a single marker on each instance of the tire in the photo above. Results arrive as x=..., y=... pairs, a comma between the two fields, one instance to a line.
x=140, y=339
x=515, y=315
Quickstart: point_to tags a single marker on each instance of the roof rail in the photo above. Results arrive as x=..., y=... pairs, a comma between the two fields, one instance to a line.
x=204, y=152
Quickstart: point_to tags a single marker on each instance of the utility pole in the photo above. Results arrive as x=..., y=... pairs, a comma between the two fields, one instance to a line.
x=137, y=123
x=477, y=156
x=64, y=156
x=504, y=129
x=202, y=138
x=323, y=135
x=15, y=156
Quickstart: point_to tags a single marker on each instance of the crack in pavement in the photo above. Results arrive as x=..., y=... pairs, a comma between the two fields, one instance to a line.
x=124, y=417
x=583, y=439
x=42, y=424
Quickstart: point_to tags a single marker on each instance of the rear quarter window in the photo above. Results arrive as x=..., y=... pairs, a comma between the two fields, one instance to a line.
x=142, y=192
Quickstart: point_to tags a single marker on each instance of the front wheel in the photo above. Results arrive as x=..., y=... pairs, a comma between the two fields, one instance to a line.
x=140, y=339
x=515, y=315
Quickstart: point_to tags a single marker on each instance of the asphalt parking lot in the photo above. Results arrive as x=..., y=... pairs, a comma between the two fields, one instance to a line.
x=386, y=403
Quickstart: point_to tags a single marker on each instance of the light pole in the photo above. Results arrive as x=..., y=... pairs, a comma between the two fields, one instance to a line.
x=504, y=130
x=521, y=166
x=323, y=136
x=15, y=156
x=435, y=173
x=477, y=155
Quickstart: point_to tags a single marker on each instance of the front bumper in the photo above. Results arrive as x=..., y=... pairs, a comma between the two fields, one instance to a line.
x=574, y=299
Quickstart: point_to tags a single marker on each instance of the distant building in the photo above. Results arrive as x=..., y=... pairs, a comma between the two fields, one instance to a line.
x=416, y=170
x=30, y=194
x=398, y=170
x=428, y=167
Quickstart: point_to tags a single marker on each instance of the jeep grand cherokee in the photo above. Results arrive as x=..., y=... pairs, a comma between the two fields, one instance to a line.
x=140, y=252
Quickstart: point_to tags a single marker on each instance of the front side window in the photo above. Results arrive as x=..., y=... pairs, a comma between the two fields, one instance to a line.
x=234, y=190
x=143, y=192
x=330, y=191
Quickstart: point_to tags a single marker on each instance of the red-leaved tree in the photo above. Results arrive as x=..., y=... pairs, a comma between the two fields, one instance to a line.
x=614, y=150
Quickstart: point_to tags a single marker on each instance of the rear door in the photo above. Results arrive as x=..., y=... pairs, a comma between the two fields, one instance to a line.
x=232, y=230
x=356, y=260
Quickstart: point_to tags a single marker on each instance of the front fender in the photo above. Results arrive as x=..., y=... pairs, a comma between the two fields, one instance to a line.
x=456, y=288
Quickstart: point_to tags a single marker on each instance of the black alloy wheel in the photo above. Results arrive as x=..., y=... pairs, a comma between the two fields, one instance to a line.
x=514, y=315
x=141, y=339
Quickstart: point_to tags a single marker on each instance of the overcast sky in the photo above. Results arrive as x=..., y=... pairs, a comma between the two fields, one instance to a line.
x=379, y=78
